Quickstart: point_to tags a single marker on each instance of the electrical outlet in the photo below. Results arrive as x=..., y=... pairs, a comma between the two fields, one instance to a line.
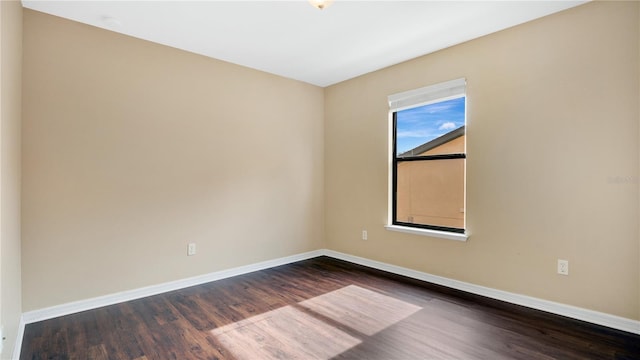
x=191, y=249
x=364, y=235
x=563, y=267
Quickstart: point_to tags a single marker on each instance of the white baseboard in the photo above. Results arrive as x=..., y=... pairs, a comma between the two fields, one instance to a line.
x=612, y=321
x=595, y=317
x=18, y=345
x=97, y=302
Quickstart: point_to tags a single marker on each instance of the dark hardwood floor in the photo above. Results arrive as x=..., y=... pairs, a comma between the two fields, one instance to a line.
x=321, y=308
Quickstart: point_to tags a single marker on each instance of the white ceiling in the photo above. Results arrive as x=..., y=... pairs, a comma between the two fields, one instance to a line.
x=295, y=40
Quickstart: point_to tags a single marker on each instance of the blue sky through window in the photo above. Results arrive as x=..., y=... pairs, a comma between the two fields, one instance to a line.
x=422, y=124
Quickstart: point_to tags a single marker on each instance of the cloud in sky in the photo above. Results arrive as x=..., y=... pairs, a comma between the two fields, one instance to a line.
x=447, y=126
x=414, y=134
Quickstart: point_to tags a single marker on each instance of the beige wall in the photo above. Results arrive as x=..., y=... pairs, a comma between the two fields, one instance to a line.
x=10, y=114
x=131, y=150
x=552, y=127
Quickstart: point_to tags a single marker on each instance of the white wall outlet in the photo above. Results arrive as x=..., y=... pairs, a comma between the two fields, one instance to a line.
x=191, y=249
x=364, y=235
x=563, y=267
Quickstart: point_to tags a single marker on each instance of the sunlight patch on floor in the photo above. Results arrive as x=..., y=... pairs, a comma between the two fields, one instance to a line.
x=290, y=333
x=284, y=333
x=363, y=310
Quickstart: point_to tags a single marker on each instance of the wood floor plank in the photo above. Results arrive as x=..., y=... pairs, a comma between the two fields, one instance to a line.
x=97, y=352
x=321, y=308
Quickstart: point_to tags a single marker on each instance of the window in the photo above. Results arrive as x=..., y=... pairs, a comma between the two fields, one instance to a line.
x=428, y=158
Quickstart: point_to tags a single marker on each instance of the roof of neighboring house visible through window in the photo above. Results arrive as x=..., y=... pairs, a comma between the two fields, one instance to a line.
x=434, y=143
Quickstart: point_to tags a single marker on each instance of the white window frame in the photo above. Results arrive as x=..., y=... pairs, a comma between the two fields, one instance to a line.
x=410, y=99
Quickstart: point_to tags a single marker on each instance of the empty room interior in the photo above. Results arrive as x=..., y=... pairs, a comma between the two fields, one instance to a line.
x=283, y=179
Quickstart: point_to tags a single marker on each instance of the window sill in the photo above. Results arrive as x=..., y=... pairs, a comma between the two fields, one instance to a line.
x=428, y=232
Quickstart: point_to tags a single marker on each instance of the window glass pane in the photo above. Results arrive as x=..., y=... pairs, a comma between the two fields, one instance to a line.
x=432, y=129
x=431, y=192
